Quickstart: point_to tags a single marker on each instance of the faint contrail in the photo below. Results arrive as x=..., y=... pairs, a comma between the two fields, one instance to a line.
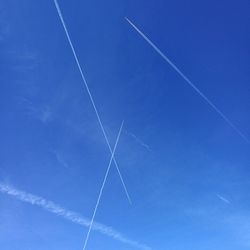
x=139, y=141
x=89, y=93
x=69, y=215
x=223, y=199
x=187, y=80
x=102, y=187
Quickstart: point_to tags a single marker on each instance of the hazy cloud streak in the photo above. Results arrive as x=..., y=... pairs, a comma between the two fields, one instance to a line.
x=69, y=215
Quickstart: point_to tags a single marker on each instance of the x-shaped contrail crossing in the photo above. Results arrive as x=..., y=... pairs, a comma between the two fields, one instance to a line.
x=112, y=159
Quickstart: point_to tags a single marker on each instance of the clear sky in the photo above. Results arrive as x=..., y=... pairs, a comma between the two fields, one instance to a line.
x=186, y=170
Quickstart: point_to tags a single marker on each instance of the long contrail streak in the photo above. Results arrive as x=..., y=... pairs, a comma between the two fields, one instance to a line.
x=90, y=95
x=102, y=187
x=69, y=215
x=187, y=80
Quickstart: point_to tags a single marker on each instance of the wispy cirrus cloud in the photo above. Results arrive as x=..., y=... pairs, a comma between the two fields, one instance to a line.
x=41, y=112
x=69, y=215
x=61, y=160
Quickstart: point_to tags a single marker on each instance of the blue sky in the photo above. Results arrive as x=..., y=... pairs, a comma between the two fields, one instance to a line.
x=185, y=168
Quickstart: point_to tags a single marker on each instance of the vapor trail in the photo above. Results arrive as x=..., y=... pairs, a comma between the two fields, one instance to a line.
x=90, y=95
x=102, y=187
x=187, y=80
x=223, y=199
x=69, y=215
x=139, y=141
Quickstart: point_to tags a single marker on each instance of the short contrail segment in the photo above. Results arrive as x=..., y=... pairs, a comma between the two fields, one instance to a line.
x=69, y=215
x=139, y=141
x=102, y=187
x=223, y=199
x=90, y=95
x=187, y=80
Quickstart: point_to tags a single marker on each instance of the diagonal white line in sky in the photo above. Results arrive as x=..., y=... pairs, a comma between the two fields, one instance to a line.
x=69, y=215
x=224, y=117
x=90, y=95
x=102, y=187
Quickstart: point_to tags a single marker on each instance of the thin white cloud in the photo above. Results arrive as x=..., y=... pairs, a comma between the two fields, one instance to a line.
x=191, y=84
x=69, y=215
x=43, y=114
x=60, y=159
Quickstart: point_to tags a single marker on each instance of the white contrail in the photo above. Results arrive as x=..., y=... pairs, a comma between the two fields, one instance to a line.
x=69, y=215
x=187, y=80
x=223, y=199
x=102, y=187
x=139, y=141
x=90, y=95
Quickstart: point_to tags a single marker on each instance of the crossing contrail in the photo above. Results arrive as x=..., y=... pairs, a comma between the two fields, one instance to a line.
x=187, y=80
x=90, y=95
x=69, y=215
x=102, y=187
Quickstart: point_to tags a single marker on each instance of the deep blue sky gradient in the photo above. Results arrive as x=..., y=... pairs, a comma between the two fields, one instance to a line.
x=51, y=144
